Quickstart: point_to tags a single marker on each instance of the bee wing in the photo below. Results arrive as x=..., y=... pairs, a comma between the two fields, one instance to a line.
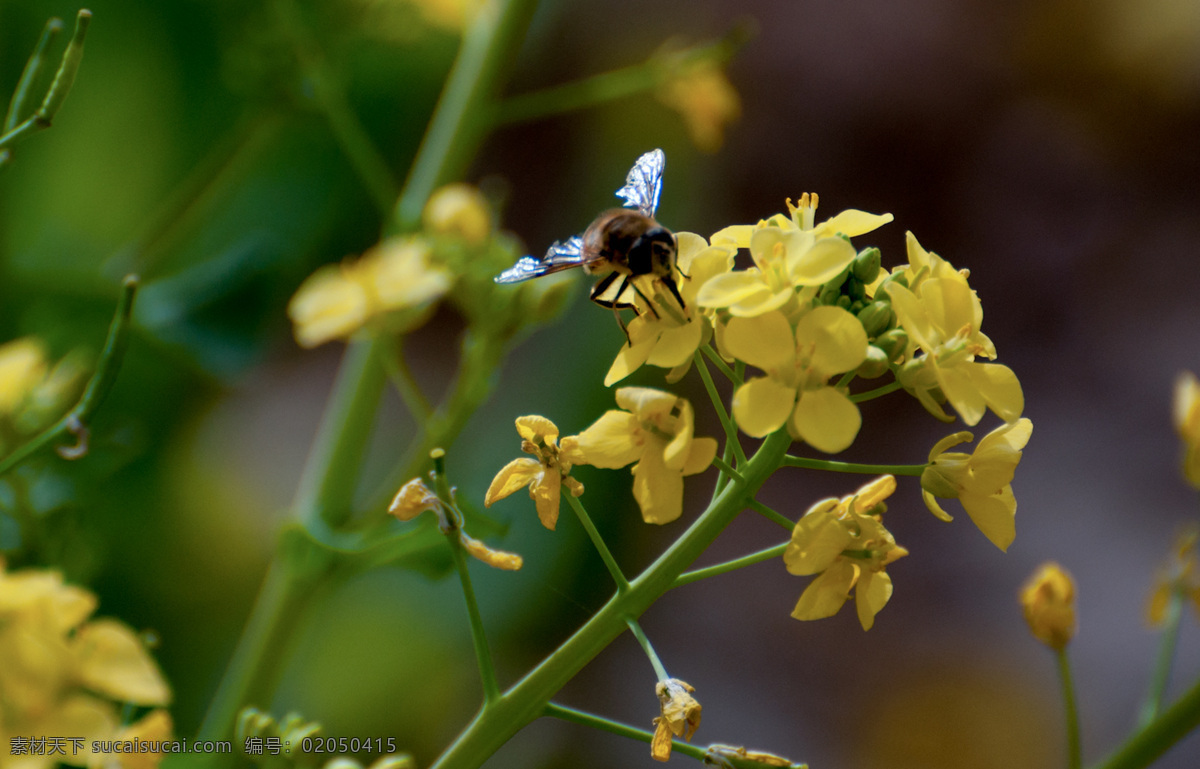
x=559, y=256
x=644, y=182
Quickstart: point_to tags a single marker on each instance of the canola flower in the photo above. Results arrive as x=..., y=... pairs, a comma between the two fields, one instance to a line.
x=66, y=674
x=1181, y=575
x=654, y=433
x=707, y=101
x=844, y=542
x=981, y=481
x=545, y=475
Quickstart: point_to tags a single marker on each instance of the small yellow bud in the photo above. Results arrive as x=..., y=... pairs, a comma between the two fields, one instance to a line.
x=459, y=209
x=1048, y=599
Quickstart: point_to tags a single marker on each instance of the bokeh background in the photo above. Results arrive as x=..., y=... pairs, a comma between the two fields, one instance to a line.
x=1051, y=148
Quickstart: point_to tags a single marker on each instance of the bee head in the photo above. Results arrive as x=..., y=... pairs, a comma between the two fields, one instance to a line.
x=653, y=253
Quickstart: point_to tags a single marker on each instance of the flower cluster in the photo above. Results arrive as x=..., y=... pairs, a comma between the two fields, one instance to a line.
x=65, y=675
x=844, y=541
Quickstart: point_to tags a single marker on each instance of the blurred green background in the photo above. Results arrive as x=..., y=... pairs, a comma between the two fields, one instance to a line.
x=1051, y=148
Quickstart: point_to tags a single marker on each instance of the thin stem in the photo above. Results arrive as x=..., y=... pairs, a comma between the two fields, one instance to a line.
x=1166, y=654
x=852, y=467
x=731, y=437
x=737, y=563
x=330, y=97
x=721, y=365
x=726, y=468
x=876, y=393
x=64, y=78
x=75, y=421
x=647, y=647
x=613, y=85
x=722, y=478
x=574, y=716
x=771, y=515
x=1171, y=726
x=483, y=654
x=1074, y=752
x=460, y=119
x=598, y=541
x=406, y=386
x=29, y=75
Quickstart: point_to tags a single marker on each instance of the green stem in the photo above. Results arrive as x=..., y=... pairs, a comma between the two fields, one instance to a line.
x=597, y=540
x=1171, y=726
x=731, y=437
x=876, y=393
x=1074, y=751
x=647, y=647
x=724, y=568
x=406, y=386
x=1166, y=654
x=852, y=467
x=771, y=515
x=330, y=97
x=721, y=365
x=29, y=75
x=483, y=654
x=74, y=422
x=616, y=84
x=726, y=468
x=574, y=716
x=64, y=78
x=526, y=700
x=460, y=120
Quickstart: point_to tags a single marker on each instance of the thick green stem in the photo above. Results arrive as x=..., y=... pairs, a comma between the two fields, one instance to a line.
x=1171, y=726
x=527, y=699
x=460, y=120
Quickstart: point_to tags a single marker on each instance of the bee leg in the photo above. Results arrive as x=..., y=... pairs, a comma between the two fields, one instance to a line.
x=638, y=291
x=675, y=291
x=598, y=291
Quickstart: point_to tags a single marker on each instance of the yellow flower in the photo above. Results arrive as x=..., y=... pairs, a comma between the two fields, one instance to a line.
x=1187, y=423
x=656, y=432
x=942, y=315
x=545, y=476
x=665, y=340
x=982, y=481
x=154, y=727
x=846, y=544
x=22, y=368
x=1180, y=576
x=827, y=341
x=1048, y=599
x=708, y=102
x=459, y=209
x=339, y=299
x=802, y=216
x=680, y=716
x=63, y=674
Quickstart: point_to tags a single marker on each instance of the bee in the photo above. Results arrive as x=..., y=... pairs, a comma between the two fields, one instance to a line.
x=622, y=244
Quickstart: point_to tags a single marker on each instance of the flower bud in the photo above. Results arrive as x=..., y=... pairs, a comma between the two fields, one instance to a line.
x=1048, y=599
x=866, y=264
x=894, y=343
x=459, y=209
x=875, y=365
x=876, y=317
x=881, y=290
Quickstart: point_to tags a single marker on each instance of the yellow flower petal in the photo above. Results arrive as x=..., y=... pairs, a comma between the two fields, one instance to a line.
x=745, y=287
x=995, y=516
x=1000, y=388
x=737, y=236
x=113, y=662
x=870, y=595
x=827, y=419
x=852, y=223
x=517, y=474
x=657, y=489
x=825, y=595
x=766, y=341
x=821, y=262
x=676, y=345
x=328, y=306
x=537, y=429
x=761, y=406
x=497, y=559
x=817, y=540
x=414, y=498
x=608, y=442
x=703, y=450
x=836, y=338
x=544, y=491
